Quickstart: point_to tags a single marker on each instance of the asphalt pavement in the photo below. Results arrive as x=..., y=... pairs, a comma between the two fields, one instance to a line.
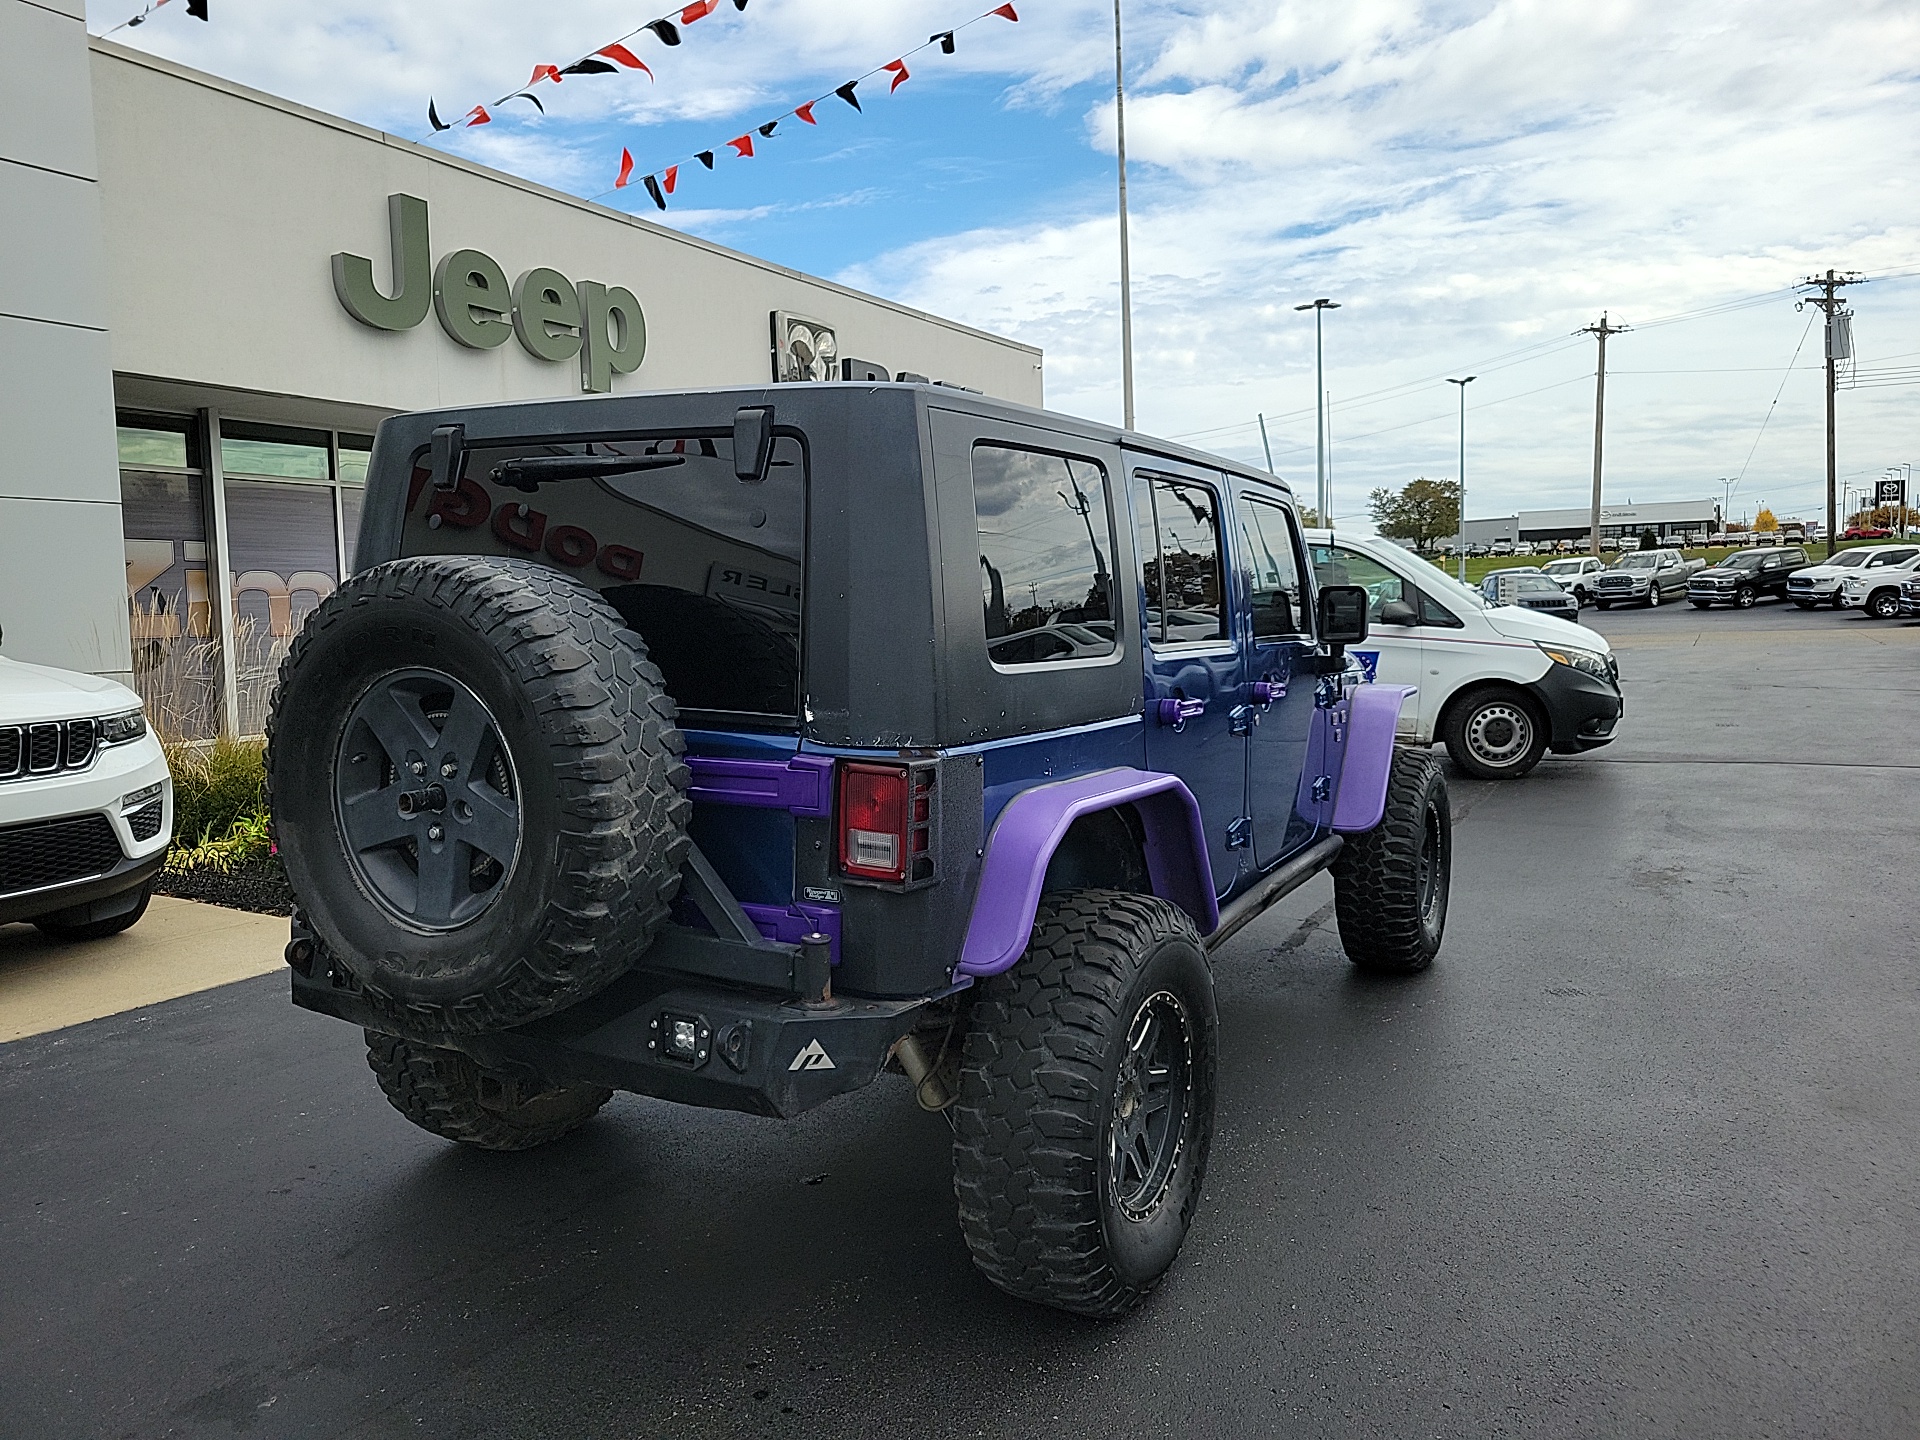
x=1639, y=1156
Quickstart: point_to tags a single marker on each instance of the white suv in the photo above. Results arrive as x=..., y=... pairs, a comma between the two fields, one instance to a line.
x=1576, y=576
x=1820, y=584
x=1875, y=587
x=1499, y=685
x=86, y=802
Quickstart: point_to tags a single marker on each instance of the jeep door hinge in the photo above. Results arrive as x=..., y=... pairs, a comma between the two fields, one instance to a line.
x=1323, y=788
x=1241, y=719
x=1240, y=833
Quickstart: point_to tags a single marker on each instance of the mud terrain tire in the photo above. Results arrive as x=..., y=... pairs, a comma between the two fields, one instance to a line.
x=449, y=1094
x=556, y=839
x=1070, y=1193
x=1390, y=885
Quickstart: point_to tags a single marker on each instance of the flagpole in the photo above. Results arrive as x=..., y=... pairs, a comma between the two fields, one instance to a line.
x=1126, y=273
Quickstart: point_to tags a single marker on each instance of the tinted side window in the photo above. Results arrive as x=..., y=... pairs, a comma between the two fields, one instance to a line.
x=1045, y=535
x=1432, y=612
x=1266, y=559
x=1337, y=565
x=1177, y=524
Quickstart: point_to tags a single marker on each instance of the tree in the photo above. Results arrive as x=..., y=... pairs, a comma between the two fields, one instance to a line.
x=1424, y=511
x=1765, y=520
x=1649, y=540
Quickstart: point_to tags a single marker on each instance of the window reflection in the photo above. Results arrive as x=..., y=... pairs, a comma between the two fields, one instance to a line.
x=1045, y=534
x=1272, y=575
x=1177, y=523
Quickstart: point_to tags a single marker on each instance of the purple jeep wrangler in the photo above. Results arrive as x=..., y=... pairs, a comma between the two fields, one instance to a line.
x=736, y=747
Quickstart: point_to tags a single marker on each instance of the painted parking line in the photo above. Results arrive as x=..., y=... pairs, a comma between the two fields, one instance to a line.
x=178, y=948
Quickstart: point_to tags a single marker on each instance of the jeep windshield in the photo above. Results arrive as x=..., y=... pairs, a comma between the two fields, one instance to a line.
x=706, y=567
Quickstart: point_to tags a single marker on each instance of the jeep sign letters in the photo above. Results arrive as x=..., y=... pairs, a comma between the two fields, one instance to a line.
x=553, y=318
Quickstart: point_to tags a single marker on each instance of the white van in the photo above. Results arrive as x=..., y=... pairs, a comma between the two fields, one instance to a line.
x=1499, y=686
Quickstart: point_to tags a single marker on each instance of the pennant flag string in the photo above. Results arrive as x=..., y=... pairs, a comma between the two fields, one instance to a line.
x=608, y=59
x=742, y=145
x=196, y=9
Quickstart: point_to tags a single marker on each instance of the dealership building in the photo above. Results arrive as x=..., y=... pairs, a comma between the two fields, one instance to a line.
x=213, y=296
x=1671, y=521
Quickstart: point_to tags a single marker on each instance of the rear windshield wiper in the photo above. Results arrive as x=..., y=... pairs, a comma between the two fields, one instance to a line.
x=530, y=473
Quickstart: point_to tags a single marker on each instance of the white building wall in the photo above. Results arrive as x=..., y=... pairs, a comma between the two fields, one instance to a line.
x=225, y=205
x=62, y=577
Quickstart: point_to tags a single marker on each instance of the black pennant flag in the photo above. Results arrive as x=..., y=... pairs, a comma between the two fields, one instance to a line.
x=589, y=67
x=529, y=95
x=845, y=92
x=433, y=117
x=665, y=30
x=945, y=37
x=740, y=4
x=705, y=157
x=766, y=130
x=653, y=189
x=197, y=9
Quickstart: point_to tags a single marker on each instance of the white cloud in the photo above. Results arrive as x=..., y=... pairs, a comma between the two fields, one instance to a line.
x=1467, y=181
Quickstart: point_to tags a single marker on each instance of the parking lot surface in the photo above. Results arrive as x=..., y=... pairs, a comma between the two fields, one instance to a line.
x=1640, y=1156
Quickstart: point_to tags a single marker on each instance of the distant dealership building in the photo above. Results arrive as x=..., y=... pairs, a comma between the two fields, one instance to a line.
x=213, y=296
x=1667, y=519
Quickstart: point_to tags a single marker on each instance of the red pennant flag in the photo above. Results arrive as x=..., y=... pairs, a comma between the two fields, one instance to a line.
x=743, y=147
x=668, y=180
x=699, y=10
x=626, y=170
x=545, y=72
x=624, y=56
x=805, y=112
x=479, y=116
x=1005, y=12
x=899, y=69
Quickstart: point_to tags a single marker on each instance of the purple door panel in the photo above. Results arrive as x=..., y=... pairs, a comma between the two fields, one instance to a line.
x=1362, y=796
x=1031, y=827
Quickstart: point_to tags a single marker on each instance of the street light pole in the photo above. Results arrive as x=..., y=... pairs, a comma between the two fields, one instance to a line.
x=1126, y=271
x=1320, y=407
x=1463, y=471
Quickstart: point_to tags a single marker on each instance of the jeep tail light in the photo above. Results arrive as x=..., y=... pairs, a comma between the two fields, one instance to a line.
x=886, y=822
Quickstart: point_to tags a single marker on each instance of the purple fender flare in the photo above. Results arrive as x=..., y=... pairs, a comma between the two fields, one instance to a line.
x=1031, y=828
x=1362, y=798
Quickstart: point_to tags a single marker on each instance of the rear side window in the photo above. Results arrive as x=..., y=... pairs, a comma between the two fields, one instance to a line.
x=1177, y=528
x=1046, y=533
x=706, y=568
x=1272, y=575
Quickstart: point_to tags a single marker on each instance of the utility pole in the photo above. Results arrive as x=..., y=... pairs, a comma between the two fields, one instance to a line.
x=1126, y=272
x=1839, y=337
x=1601, y=332
x=1463, y=471
x=1319, y=307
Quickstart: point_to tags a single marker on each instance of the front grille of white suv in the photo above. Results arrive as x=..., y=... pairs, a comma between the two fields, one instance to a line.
x=47, y=748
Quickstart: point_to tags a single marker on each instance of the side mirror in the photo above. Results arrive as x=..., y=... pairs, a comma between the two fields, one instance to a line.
x=752, y=442
x=1343, y=614
x=1398, y=612
x=446, y=448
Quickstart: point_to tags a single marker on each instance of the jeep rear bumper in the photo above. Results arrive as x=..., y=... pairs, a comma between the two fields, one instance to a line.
x=753, y=1051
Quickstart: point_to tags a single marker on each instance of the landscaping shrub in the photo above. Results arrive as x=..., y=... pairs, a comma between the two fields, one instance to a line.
x=222, y=853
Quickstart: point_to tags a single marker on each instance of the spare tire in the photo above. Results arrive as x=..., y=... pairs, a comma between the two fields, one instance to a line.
x=477, y=789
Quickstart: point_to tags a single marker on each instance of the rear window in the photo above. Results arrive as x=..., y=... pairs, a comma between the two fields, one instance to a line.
x=705, y=567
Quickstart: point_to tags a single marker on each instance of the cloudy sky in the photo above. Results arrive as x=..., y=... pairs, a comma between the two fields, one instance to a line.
x=1473, y=182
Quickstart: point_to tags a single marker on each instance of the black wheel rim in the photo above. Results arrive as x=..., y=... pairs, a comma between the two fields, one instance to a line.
x=1430, y=870
x=1151, y=1101
x=426, y=799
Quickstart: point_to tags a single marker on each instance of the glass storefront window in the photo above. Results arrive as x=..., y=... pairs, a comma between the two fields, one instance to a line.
x=355, y=452
x=273, y=450
x=176, y=653
x=154, y=440
x=285, y=560
x=351, y=502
